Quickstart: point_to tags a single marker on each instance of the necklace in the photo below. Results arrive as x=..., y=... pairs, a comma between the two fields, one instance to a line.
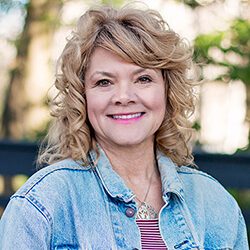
x=145, y=210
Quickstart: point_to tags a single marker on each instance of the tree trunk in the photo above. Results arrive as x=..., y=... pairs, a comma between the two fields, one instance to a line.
x=31, y=75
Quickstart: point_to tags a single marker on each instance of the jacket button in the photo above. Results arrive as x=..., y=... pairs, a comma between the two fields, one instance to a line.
x=130, y=212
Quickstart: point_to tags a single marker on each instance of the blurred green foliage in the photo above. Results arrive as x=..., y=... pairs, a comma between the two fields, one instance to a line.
x=242, y=196
x=115, y=3
x=234, y=43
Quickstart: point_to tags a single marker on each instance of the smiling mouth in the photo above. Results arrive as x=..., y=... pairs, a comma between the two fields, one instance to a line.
x=127, y=116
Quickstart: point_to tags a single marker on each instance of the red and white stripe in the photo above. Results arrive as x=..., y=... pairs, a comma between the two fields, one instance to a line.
x=150, y=235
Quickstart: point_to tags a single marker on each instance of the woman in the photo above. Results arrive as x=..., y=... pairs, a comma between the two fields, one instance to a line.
x=118, y=149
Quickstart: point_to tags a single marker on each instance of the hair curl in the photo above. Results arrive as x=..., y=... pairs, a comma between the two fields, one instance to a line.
x=138, y=36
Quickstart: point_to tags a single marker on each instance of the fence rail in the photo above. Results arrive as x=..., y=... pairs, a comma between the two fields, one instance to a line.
x=232, y=171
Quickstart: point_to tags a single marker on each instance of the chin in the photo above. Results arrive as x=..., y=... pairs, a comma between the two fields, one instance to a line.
x=129, y=143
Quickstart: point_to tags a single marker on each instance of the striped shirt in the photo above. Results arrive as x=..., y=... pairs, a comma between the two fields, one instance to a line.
x=150, y=235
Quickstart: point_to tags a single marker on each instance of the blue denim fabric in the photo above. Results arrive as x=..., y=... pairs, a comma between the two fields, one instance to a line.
x=68, y=206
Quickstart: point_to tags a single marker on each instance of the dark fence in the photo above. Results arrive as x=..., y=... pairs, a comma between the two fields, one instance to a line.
x=232, y=171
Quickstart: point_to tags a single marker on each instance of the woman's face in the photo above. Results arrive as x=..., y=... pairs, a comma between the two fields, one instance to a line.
x=125, y=103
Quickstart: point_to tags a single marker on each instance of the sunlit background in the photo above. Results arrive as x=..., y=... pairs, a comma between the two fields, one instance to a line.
x=33, y=34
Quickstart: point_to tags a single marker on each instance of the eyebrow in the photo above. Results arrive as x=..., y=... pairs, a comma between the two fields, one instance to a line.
x=111, y=75
x=103, y=73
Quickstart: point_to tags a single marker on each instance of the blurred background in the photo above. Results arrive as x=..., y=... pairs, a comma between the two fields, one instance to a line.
x=33, y=34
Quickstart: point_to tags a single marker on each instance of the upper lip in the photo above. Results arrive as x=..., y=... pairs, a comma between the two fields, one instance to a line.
x=127, y=113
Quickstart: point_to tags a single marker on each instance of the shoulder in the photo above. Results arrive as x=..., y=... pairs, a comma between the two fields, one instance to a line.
x=53, y=187
x=203, y=189
x=213, y=209
x=52, y=177
x=194, y=178
x=195, y=175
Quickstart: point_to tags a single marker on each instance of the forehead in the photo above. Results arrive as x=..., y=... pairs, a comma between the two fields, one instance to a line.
x=103, y=60
x=101, y=56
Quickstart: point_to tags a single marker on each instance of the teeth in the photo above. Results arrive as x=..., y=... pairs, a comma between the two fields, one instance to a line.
x=124, y=117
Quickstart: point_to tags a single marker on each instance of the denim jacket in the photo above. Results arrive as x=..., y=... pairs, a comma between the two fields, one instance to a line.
x=70, y=206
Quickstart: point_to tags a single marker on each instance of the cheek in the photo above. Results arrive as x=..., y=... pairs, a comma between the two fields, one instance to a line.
x=161, y=109
x=158, y=101
x=159, y=104
x=91, y=108
x=96, y=104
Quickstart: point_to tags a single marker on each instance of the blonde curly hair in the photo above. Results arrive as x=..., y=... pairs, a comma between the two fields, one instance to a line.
x=138, y=36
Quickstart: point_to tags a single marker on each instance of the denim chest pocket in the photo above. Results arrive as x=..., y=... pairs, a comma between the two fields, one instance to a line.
x=223, y=248
x=66, y=247
x=85, y=247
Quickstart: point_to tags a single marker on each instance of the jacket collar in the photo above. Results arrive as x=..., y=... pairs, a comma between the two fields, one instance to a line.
x=171, y=182
x=111, y=181
x=116, y=187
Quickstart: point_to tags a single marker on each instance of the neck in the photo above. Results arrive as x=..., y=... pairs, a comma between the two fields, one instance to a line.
x=132, y=163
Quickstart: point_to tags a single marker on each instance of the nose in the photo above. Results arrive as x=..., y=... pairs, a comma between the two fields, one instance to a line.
x=124, y=94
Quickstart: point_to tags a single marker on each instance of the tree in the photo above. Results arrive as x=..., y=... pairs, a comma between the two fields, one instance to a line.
x=23, y=94
x=233, y=46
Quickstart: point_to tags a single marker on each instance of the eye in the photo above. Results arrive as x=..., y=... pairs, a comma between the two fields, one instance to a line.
x=103, y=83
x=144, y=79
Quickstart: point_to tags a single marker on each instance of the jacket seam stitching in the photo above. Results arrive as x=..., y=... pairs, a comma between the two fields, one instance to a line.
x=199, y=173
x=41, y=177
x=35, y=203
